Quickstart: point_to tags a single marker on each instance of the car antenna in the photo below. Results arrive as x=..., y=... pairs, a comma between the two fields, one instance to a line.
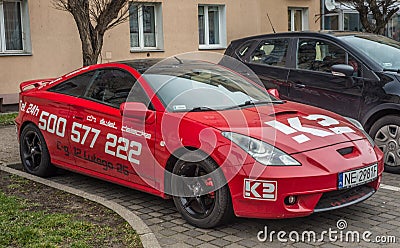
x=179, y=60
x=273, y=29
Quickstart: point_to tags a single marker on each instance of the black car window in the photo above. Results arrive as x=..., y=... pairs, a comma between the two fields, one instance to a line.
x=113, y=86
x=75, y=86
x=271, y=52
x=318, y=55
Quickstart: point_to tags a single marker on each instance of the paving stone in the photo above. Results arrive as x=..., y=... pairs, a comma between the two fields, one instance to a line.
x=217, y=234
x=232, y=238
x=179, y=229
x=194, y=241
x=164, y=241
x=168, y=224
x=205, y=245
x=180, y=237
x=235, y=246
x=220, y=242
x=180, y=245
x=193, y=233
x=168, y=232
x=248, y=243
x=206, y=237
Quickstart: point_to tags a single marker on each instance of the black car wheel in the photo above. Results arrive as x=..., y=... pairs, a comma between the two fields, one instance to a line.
x=386, y=135
x=34, y=153
x=194, y=195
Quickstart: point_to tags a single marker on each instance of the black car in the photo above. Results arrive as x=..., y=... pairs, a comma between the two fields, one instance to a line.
x=354, y=74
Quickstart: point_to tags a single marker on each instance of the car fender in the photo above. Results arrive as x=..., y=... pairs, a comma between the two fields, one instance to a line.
x=379, y=111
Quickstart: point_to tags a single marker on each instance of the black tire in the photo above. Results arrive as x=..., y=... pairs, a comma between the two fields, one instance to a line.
x=386, y=135
x=207, y=210
x=34, y=154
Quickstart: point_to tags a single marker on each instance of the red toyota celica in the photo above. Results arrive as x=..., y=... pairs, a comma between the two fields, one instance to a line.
x=214, y=141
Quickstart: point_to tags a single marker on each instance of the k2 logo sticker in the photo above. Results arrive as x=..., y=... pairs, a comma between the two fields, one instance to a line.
x=260, y=189
x=295, y=127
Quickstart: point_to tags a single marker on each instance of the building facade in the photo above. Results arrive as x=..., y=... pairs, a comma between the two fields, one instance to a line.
x=39, y=41
x=343, y=16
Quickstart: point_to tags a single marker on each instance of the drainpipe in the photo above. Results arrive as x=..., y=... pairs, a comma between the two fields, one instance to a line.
x=322, y=14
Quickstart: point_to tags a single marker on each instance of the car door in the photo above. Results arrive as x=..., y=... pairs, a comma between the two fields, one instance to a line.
x=269, y=60
x=102, y=140
x=312, y=81
x=53, y=119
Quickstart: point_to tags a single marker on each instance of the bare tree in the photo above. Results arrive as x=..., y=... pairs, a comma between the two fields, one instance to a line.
x=93, y=18
x=381, y=10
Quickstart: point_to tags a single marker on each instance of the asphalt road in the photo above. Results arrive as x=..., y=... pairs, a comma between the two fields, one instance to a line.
x=373, y=221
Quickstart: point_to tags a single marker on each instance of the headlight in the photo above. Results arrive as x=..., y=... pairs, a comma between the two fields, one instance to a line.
x=263, y=152
x=359, y=126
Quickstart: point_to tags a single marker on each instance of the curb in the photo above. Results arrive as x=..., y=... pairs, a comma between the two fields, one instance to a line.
x=147, y=237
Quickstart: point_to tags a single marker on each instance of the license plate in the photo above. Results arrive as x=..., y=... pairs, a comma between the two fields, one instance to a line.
x=357, y=177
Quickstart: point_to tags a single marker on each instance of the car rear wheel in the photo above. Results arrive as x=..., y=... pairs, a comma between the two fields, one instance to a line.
x=34, y=153
x=197, y=194
x=386, y=135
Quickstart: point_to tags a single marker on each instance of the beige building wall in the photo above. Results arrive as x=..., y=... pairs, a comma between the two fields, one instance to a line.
x=56, y=47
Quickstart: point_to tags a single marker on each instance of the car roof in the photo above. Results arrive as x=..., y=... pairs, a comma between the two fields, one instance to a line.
x=322, y=33
x=141, y=65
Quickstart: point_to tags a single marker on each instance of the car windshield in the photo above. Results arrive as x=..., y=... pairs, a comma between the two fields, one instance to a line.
x=203, y=87
x=384, y=51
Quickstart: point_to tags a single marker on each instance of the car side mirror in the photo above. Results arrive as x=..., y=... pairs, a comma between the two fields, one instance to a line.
x=136, y=110
x=342, y=70
x=274, y=93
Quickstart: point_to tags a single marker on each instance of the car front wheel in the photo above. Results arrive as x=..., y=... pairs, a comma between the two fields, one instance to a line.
x=386, y=135
x=198, y=193
x=34, y=153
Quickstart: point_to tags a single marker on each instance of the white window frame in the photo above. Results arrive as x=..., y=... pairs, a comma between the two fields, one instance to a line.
x=25, y=30
x=304, y=18
x=222, y=27
x=158, y=28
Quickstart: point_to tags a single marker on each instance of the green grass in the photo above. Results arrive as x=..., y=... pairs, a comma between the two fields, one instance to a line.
x=7, y=119
x=22, y=227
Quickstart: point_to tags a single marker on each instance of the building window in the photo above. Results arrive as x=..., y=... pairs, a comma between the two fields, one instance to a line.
x=297, y=19
x=14, y=27
x=212, y=27
x=145, y=26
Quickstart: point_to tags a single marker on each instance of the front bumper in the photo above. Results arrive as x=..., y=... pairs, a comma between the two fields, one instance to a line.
x=314, y=184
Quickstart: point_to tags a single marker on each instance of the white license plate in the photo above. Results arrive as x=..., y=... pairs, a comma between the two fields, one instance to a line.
x=357, y=177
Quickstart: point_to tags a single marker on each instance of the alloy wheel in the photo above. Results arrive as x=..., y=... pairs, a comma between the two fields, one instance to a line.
x=388, y=139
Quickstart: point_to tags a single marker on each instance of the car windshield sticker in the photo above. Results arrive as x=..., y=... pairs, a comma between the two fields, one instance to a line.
x=179, y=107
x=296, y=126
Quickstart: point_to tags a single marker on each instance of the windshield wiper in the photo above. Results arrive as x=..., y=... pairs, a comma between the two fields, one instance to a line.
x=201, y=109
x=394, y=70
x=251, y=103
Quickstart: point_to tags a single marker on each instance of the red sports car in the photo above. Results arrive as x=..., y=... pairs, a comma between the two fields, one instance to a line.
x=214, y=141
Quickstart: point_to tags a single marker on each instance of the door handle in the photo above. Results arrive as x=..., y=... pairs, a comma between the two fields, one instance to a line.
x=299, y=86
x=78, y=117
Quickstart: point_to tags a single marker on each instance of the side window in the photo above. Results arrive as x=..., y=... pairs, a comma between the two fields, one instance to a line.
x=113, y=86
x=243, y=49
x=320, y=55
x=271, y=52
x=75, y=86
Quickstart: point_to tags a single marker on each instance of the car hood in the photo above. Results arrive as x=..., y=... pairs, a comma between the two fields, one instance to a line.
x=291, y=127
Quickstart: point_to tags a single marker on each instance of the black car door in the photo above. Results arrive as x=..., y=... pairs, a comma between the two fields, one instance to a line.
x=269, y=60
x=312, y=82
